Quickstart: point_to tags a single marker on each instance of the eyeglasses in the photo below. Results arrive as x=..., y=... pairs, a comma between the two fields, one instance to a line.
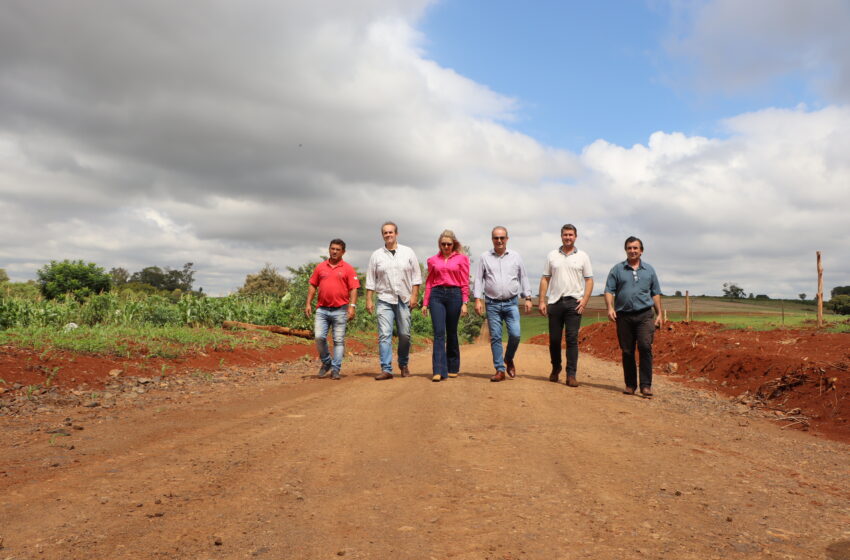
x=499, y=238
x=446, y=244
x=634, y=273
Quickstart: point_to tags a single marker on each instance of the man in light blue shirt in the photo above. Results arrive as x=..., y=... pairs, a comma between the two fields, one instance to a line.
x=631, y=293
x=500, y=280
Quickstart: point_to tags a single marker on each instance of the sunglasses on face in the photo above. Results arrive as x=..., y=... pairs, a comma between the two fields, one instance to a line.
x=446, y=244
x=499, y=238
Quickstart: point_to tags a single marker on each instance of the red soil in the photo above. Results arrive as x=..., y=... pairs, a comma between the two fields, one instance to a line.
x=69, y=370
x=803, y=373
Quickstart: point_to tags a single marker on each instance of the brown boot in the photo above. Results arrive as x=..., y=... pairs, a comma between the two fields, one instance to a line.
x=572, y=381
x=500, y=376
x=405, y=371
x=556, y=373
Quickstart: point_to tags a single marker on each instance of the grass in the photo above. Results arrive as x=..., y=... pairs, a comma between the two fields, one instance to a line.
x=147, y=341
x=749, y=314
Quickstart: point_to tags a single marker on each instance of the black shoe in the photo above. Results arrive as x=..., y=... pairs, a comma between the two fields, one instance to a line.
x=336, y=376
x=556, y=373
x=323, y=371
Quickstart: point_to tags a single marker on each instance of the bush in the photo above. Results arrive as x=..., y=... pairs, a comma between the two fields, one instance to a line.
x=840, y=304
x=266, y=282
x=77, y=278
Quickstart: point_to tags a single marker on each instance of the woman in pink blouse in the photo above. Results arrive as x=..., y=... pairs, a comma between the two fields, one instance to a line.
x=446, y=294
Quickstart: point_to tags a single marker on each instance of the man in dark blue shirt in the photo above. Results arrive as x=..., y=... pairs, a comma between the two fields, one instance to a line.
x=631, y=293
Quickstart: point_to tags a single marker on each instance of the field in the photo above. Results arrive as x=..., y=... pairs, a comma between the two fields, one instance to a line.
x=741, y=314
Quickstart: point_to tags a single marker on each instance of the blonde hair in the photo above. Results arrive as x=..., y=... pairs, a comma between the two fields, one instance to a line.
x=447, y=233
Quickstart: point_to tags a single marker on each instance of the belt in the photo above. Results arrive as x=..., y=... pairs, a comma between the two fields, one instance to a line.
x=644, y=310
x=494, y=300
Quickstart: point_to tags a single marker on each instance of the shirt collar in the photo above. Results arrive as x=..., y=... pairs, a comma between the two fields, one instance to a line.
x=573, y=252
x=627, y=265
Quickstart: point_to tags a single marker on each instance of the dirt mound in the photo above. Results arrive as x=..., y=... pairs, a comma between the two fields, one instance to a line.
x=803, y=375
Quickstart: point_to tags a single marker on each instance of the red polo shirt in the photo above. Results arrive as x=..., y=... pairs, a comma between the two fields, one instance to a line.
x=334, y=283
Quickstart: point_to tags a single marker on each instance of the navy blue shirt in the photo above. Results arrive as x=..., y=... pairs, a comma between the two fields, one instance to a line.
x=633, y=289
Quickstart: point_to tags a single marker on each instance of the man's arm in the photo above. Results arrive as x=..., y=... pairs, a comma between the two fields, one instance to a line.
x=588, y=291
x=544, y=287
x=352, y=303
x=414, y=296
x=609, y=301
x=659, y=311
x=311, y=293
x=524, y=286
x=370, y=307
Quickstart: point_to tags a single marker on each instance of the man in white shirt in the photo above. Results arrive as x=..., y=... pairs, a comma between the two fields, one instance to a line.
x=393, y=274
x=565, y=289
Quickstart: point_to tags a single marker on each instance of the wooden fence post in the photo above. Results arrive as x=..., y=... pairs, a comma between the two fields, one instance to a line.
x=820, y=292
x=687, y=307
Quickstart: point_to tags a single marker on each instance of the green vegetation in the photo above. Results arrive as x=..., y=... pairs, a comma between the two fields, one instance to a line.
x=135, y=341
x=534, y=324
x=267, y=282
x=77, y=278
x=840, y=304
x=142, y=319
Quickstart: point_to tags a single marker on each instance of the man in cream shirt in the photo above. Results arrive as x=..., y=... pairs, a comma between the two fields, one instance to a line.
x=393, y=274
x=565, y=289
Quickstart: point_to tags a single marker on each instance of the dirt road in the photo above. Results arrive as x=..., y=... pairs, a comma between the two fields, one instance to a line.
x=295, y=467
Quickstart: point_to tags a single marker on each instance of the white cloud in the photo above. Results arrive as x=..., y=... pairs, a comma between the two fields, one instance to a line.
x=235, y=134
x=738, y=46
x=752, y=208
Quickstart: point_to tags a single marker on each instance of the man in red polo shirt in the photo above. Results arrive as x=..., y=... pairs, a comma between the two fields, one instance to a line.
x=337, y=284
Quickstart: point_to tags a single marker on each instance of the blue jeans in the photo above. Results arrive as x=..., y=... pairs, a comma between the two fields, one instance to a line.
x=324, y=318
x=507, y=311
x=444, y=306
x=388, y=314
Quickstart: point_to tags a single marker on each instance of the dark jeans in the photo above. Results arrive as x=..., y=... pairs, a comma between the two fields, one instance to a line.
x=444, y=306
x=636, y=329
x=562, y=314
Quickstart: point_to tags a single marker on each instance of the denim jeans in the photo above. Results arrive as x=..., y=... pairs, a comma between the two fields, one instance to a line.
x=324, y=319
x=444, y=307
x=563, y=315
x=636, y=329
x=388, y=314
x=507, y=311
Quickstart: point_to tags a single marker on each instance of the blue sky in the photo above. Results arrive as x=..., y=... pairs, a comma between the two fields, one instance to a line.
x=235, y=134
x=581, y=71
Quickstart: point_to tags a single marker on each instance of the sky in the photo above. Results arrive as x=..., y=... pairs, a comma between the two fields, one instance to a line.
x=235, y=134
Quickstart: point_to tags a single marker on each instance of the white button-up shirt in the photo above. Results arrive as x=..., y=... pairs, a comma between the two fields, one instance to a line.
x=392, y=277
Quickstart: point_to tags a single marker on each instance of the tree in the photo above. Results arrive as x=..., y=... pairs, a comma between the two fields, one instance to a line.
x=151, y=275
x=802, y=297
x=268, y=281
x=167, y=279
x=678, y=293
x=72, y=277
x=3, y=276
x=840, y=291
x=732, y=291
x=840, y=304
x=119, y=276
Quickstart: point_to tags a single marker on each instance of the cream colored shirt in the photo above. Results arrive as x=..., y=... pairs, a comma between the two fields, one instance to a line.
x=392, y=277
x=566, y=274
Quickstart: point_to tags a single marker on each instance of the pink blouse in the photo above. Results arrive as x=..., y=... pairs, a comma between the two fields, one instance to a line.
x=453, y=271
